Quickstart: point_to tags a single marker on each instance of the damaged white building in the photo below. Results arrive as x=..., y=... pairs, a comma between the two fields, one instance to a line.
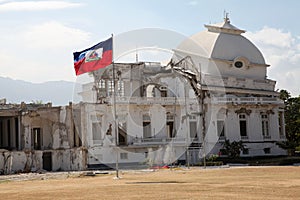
x=138, y=114
x=215, y=88
x=37, y=137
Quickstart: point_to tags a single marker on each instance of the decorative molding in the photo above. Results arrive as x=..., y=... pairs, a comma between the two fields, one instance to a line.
x=243, y=110
x=268, y=112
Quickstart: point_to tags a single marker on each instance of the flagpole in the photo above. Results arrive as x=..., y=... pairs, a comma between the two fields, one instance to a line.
x=115, y=110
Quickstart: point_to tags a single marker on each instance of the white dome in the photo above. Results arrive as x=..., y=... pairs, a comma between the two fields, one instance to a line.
x=222, y=41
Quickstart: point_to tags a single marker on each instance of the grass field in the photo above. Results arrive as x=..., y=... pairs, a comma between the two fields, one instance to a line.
x=196, y=183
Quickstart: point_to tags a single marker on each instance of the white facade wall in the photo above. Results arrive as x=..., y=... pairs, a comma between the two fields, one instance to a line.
x=214, y=53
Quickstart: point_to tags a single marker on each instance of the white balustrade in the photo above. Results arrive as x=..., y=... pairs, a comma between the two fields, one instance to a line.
x=246, y=100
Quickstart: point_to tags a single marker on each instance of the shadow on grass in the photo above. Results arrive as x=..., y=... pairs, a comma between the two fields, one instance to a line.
x=263, y=161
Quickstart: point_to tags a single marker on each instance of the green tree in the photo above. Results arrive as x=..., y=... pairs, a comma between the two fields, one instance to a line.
x=284, y=95
x=233, y=149
x=292, y=121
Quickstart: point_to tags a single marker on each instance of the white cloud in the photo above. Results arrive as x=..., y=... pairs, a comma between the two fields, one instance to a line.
x=282, y=52
x=54, y=35
x=36, y=5
x=42, y=52
x=273, y=37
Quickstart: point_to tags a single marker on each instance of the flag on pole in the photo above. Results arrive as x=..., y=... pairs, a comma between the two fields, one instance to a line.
x=93, y=58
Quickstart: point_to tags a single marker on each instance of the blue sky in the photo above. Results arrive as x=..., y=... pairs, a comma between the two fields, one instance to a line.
x=38, y=37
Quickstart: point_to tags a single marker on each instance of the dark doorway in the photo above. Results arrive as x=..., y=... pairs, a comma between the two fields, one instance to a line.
x=146, y=129
x=243, y=128
x=17, y=132
x=170, y=129
x=47, y=161
x=122, y=136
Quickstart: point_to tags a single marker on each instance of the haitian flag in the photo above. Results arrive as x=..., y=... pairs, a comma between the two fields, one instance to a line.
x=93, y=58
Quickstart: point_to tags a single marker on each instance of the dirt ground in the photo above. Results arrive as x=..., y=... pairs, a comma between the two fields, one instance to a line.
x=195, y=183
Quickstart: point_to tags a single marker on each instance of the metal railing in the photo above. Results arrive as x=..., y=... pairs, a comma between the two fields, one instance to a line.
x=244, y=137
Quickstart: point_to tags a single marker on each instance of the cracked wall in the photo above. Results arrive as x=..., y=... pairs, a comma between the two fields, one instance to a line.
x=44, y=130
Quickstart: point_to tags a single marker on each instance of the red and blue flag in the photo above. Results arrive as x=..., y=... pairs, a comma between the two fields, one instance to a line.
x=93, y=58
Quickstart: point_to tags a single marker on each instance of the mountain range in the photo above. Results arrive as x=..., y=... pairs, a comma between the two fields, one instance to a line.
x=17, y=91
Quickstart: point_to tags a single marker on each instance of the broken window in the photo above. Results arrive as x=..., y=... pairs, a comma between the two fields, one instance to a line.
x=36, y=139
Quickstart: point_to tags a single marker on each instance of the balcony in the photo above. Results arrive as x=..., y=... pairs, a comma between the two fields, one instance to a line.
x=246, y=100
x=267, y=137
x=150, y=100
x=243, y=138
x=282, y=137
x=146, y=142
x=160, y=141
